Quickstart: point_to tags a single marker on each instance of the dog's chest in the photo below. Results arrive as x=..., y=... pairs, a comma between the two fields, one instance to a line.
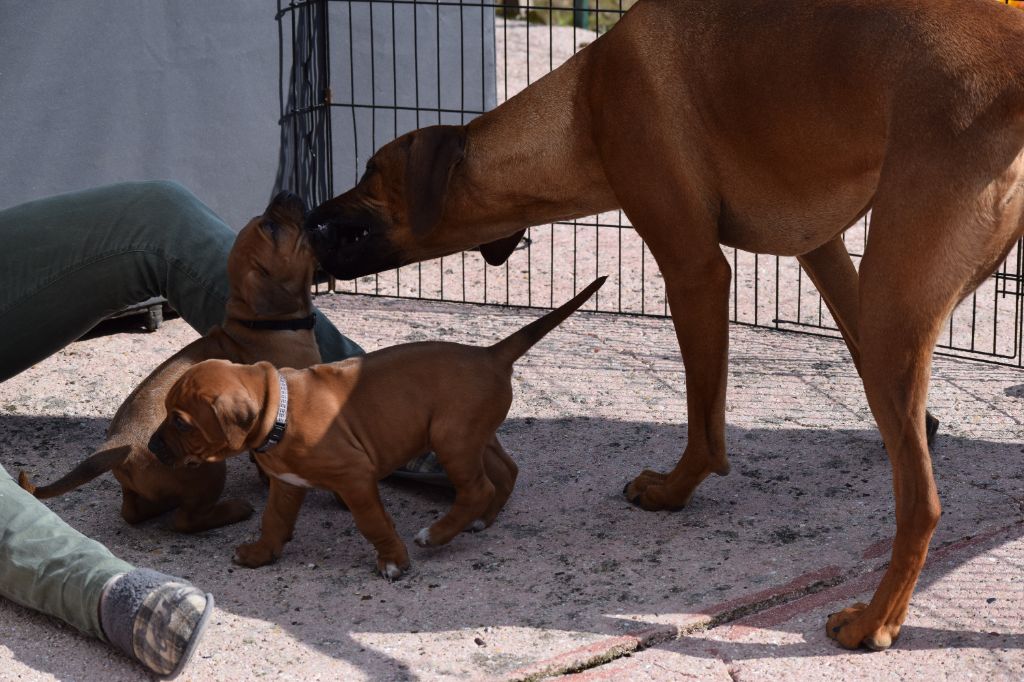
x=293, y=479
x=274, y=468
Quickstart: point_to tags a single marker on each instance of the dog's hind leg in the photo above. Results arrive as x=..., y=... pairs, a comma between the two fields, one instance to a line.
x=503, y=472
x=832, y=271
x=136, y=509
x=196, y=518
x=926, y=251
x=200, y=509
x=463, y=461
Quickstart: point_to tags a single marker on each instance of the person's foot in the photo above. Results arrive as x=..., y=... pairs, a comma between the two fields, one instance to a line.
x=424, y=469
x=154, y=618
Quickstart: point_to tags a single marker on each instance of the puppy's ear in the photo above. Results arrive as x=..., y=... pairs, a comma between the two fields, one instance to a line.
x=498, y=251
x=236, y=413
x=434, y=153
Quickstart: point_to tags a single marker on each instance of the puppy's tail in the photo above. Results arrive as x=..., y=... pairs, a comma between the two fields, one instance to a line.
x=508, y=350
x=96, y=464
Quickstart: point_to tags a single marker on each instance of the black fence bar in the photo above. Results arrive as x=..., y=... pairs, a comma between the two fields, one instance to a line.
x=411, y=63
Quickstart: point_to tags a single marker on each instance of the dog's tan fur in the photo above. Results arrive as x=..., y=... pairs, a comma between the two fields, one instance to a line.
x=351, y=423
x=270, y=269
x=767, y=126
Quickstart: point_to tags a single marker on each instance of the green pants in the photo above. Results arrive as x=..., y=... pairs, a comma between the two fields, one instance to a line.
x=66, y=263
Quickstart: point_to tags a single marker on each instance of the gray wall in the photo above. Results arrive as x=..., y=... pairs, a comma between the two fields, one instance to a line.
x=100, y=91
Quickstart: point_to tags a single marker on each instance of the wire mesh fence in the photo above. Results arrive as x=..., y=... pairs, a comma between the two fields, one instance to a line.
x=357, y=73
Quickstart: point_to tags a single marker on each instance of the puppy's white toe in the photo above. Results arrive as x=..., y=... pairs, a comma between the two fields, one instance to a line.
x=391, y=571
x=476, y=526
x=423, y=538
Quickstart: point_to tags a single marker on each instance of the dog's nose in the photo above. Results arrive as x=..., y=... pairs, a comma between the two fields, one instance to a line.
x=158, y=447
x=316, y=221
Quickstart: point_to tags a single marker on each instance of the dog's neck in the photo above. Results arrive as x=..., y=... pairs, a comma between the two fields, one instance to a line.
x=277, y=429
x=537, y=143
x=239, y=312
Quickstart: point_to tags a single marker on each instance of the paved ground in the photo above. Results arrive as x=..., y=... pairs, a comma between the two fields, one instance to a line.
x=572, y=579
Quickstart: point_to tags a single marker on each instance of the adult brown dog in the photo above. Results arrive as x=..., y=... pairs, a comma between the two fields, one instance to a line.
x=344, y=426
x=268, y=317
x=767, y=126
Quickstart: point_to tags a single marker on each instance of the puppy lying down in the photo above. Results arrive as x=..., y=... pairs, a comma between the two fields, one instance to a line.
x=344, y=426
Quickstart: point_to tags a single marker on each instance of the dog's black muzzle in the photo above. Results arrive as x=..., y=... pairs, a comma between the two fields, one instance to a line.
x=349, y=243
x=159, y=448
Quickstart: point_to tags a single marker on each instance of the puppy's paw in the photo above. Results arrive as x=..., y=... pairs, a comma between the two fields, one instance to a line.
x=476, y=526
x=423, y=538
x=391, y=570
x=254, y=555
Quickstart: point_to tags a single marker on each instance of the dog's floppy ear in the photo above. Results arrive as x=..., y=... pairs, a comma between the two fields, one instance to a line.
x=236, y=412
x=498, y=251
x=433, y=154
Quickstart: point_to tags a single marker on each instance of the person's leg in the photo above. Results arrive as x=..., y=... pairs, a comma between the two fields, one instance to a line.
x=69, y=261
x=48, y=566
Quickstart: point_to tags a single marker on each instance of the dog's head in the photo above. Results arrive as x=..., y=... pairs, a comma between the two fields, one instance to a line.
x=213, y=412
x=396, y=213
x=270, y=266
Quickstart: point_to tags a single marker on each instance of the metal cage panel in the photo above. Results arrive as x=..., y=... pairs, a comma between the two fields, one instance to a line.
x=357, y=73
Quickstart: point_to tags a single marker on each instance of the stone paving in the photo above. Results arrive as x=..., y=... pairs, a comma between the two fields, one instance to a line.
x=571, y=579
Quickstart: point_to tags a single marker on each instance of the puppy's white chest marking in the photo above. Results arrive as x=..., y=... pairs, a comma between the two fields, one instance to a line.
x=292, y=479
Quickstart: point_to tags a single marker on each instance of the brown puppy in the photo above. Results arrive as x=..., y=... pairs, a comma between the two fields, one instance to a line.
x=268, y=317
x=346, y=425
x=766, y=126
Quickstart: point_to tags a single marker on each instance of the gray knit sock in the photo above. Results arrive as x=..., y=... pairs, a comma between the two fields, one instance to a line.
x=154, y=618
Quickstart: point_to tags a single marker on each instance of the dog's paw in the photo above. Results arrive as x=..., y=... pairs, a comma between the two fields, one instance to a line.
x=850, y=627
x=254, y=555
x=650, y=491
x=423, y=538
x=391, y=570
x=476, y=526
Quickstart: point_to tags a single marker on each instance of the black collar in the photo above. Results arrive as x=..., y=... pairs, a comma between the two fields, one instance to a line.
x=281, y=422
x=280, y=325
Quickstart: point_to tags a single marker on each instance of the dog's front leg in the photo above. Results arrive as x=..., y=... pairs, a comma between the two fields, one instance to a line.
x=698, y=294
x=276, y=527
x=363, y=500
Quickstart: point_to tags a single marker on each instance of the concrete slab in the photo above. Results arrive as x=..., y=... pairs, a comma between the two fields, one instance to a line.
x=571, y=576
x=965, y=623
